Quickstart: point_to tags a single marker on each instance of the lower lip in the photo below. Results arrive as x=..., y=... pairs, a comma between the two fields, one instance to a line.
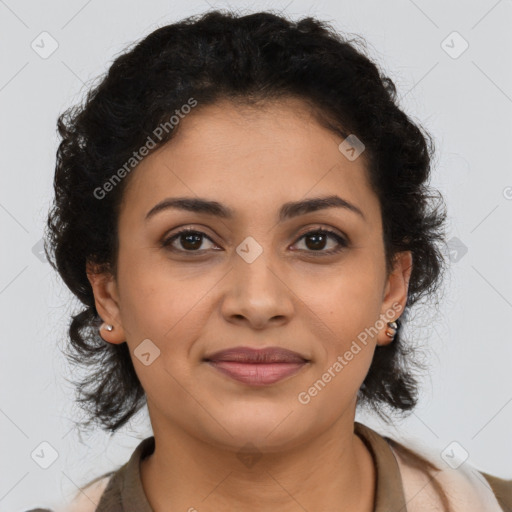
x=257, y=374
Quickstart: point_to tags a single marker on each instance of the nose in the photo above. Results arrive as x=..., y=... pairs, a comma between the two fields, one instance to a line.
x=257, y=294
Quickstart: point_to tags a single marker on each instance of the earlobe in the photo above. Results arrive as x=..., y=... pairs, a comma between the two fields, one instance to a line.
x=106, y=331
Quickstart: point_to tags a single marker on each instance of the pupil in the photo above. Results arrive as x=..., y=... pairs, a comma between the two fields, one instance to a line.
x=192, y=241
x=318, y=241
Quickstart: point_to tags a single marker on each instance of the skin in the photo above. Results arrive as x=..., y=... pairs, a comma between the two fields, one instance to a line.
x=291, y=296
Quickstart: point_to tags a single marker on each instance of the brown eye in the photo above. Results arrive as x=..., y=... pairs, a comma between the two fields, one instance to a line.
x=317, y=240
x=189, y=240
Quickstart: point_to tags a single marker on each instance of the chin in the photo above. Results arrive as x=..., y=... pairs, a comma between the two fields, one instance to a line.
x=272, y=430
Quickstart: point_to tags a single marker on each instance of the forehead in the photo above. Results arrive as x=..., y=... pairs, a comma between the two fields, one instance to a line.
x=252, y=156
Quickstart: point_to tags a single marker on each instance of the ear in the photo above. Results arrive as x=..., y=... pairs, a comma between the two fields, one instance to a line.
x=106, y=299
x=395, y=293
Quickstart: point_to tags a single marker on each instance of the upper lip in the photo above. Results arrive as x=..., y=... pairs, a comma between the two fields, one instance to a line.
x=253, y=355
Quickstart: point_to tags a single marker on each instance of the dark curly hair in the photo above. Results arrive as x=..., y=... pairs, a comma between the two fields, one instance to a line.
x=250, y=59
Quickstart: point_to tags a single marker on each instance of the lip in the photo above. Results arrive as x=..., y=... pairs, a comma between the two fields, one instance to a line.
x=257, y=367
x=257, y=355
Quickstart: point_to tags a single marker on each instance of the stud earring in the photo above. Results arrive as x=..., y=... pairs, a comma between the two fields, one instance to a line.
x=393, y=326
x=108, y=327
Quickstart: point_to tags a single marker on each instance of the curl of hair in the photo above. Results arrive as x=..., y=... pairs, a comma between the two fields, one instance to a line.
x=250, y=60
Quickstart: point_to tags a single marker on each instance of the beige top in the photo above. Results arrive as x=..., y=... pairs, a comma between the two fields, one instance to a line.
x=399, y=486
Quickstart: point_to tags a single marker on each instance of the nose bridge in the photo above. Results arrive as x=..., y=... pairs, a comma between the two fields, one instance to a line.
x=256, y=291
x=253, y=267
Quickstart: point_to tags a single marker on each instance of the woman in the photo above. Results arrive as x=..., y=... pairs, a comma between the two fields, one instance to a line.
x=244, y=212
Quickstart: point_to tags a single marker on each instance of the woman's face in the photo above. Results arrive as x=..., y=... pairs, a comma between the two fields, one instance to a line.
x=251, y=278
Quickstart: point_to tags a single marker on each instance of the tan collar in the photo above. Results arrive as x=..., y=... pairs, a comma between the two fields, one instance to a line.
x=389, y=492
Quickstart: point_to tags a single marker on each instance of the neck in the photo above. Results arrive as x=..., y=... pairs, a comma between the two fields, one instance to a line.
x=330, y=472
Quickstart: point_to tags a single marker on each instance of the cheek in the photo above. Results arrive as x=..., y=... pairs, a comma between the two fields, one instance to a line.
x=344, y=303
x=157, y=300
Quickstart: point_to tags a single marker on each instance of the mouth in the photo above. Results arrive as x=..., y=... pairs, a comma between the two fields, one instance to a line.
x=257, y=367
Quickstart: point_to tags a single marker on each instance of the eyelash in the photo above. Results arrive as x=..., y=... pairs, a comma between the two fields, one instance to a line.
x=339, y=239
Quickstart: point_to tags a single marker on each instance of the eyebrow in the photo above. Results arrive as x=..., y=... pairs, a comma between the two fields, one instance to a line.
x=287, y=211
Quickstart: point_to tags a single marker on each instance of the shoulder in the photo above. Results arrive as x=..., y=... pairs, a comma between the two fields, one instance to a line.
x=502, y=489
x=88, y=497
x=466, y=488
x=106, y=488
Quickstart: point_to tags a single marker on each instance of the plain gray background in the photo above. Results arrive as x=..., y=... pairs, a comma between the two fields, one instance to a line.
x=463, y=99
